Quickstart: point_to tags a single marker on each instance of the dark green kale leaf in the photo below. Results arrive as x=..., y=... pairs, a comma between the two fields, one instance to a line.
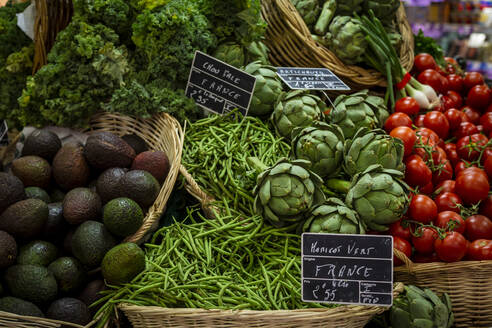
x=12, y=38
x=424, y=44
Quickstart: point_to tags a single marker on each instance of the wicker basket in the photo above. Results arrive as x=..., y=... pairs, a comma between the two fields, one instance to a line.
x=468, y=283
x=291, y=44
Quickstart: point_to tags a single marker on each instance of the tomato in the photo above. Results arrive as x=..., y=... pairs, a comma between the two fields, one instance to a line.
x=396, y=229
x=397, y=119
x=478, y=227
x=456, y=99
x=486, y=122
x=451, y=60
x=444, y=83
x=422, y=209
x=466, y=168
x=465, y=129
x=407, y=105
x=444, y=173
x=472, y=114
x=469, y=147
x=431, y=78
x=425, y=132
x=437, y=122
x=403, y=246
x=447, y=201
x=452, y=248
x=406, y=135
x=427, y=189
x=454, y=118
x=419, y=121
x=472, y=79
x=488, y=166
x=480, y=250
x=451, y=221
x=489, y=109
x=424, y=239
x=446, y=186
x=417, y=173
x=472, y=187
x=455, y=82
x=486, y=207
x=425, y=258
x=424, y=61
x=451, y=153
x=479, y=96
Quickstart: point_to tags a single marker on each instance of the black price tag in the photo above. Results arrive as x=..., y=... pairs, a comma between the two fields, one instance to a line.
x=4, y=138
x=310, y=78
x=219, y=87
x=347, y=269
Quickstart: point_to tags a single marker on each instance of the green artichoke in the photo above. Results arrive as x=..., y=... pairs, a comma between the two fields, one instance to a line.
x=286, y=191
x=349, y=7
x=257, y=51
x=379, y=196
x=333, y=216
x=267, y=89
x=296, y=108
x=346, y=39
x=373, y=147
x=308, y=9
x=358, y=110
x=385, y=10
x=421, y=308
x=231, y=53
x=322, y=145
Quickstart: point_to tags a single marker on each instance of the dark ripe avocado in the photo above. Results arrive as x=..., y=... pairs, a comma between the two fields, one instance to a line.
x=42, y=143
x=55, y=227
x=11, y=190
x=25, y=219
x=37, y=252
x=105, y=149
x=107, y=185
x=8, y=250
x=57, y=195
x=122, y=216
x=137, y=143
x=91, y=293
x=90, y=242
x=69, y=309
x=154, y=162
x=33, y=171
x=32, y=283
x=140, y=186
x=70, y=168
x=17, y=306
x=80, y=205
x=123, y=263
x=69, y=274
x=37, y=193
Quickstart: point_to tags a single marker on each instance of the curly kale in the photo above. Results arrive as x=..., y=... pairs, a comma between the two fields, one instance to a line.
x=12, y=38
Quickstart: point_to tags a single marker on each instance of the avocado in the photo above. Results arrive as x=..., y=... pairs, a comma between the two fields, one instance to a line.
x=123, y=263
x=12, y=190
x=140, y=186
x=91, y=293
x=37, y=193
x=69, y=274
x=122, y=216
x=25, y=219
x=55, y=227
x=42, y=143
x=33, y=171
x=32, y=283
x=107, y=185
x=90, y=242
x=57, y=195
x=20, y=307
x=69, y=309
x=80, y=205
x=105, y=149
x=137, y=143
x=154, y=162
x=70, y=168
x=8, y=250
x=37, y=252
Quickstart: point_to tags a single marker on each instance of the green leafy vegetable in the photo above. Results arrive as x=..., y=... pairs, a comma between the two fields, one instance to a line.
x=424, y=44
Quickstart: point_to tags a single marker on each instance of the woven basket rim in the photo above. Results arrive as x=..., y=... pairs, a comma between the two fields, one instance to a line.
x=43, y=321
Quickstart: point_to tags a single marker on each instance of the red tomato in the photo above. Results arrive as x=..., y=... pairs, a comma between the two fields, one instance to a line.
x=403, y=246
x=478, y=227
x=419, y=121
x=486, y=207
x=452, y=248
x=437, y=122
x=451, y=153
x=407, y=135
x=422, y=209
x=444, y=83
x=425, y=258
x=431, y=78
x=455, y=82
x=446, y=186
x=469, y=147
x=444, y=173
x=396, y=229
x=447, y=201
x=489, y=109
x=424, y=61
x=427, y=189
x=451, y=221
x=479, y=96
x=488, y=166
x=486, y=122
x=465, y=129
x=451, y=60
x=407, y=105
x=417, y=173
x=454, y=118
x=472, y=186
x=472, y=114
x=472, y=79
x=430, y=134
x=465, y=167
x=397, y=119
x=423, y=240
x=456, y=99
x=480, y=250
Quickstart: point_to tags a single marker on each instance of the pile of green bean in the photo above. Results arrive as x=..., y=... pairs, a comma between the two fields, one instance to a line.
x=215, y=151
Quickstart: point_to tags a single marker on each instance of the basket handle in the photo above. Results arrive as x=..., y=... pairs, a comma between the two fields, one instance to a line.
x=401, y=256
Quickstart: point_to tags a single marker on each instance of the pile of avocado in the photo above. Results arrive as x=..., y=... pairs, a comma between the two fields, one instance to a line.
x=64, y=212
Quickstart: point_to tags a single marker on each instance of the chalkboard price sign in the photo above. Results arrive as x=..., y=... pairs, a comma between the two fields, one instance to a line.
x=299, y=78
x=347, y=269
x=219, y=87
x=4, y=138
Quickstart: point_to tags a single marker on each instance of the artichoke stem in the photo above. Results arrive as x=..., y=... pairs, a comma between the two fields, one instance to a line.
x=338, y=185
x=327, y=13
x=256, y=164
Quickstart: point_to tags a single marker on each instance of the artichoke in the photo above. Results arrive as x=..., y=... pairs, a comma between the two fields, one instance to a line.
x=379, y=196
x=358, y=110
x=296, y=108
x=421, y=308
x=267, y=89
x=349, y=7
x=257, y=51
x=308, y=9
x=231, y=53
x=333, y=216
x=286, y=191
x=322, y=145
x=373, y=147
x=346, y=39
x=385, y=10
